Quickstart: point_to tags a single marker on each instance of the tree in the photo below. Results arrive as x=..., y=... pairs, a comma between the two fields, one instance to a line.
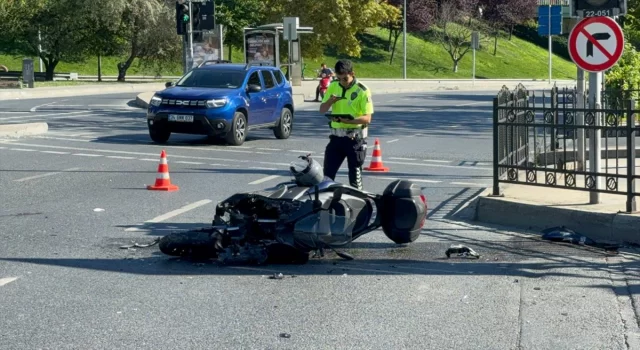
x=237, y=15
x=623, y=80
x=335, y=22
x=499, y=14
x=63, y=31
x=148, y=32
x=420, y=17
x=455, y=37
x=103, y=21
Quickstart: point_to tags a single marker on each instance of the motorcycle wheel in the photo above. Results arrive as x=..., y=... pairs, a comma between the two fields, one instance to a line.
x=193, y=244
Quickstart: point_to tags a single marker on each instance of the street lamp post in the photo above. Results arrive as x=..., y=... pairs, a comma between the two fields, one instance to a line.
x=404, y=40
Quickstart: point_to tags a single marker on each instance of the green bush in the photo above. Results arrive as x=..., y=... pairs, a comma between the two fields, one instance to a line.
x=623, y=80
x=529, y=32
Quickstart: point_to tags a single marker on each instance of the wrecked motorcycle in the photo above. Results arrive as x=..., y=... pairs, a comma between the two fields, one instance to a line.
x=285, y=224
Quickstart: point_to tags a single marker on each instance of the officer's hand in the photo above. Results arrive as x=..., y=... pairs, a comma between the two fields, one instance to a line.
x=333, y=99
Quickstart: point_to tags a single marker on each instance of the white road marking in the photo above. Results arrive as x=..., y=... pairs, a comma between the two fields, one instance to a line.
x=44, y=175
x=436, y=161
x=472, y=103
x=54, y=152
x=33, y=109
x=172, y=213
x=394, y=140
x=10, y=142
x=299, y=151
x=468, y=184
x=150, y=160
x=269, y=149
x=185, y=162
x=23, y=149
x=440, y=165
x=40, y=115
x=412, y=180
x=7, y=280
x=117, y=157
x=264, y=179
x=398, y=158
x=87, y=155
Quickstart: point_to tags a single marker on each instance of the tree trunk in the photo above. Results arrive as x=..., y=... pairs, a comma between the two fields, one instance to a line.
x=395, y=42
x=50, y=67
x=99, y=67
x=495, y=44
x=511, y=32
x=122, y=68
x=230, y=49
x=389, y=41
x=455, y=66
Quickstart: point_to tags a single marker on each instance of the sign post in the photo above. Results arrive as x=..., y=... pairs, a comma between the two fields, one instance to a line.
x=475, y=45
x=595, y=45
x=549, y=24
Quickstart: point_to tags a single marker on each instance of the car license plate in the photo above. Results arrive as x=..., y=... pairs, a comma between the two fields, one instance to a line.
x=181, y=118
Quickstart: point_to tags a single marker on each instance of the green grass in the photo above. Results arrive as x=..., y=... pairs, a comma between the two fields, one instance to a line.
x=515, y=58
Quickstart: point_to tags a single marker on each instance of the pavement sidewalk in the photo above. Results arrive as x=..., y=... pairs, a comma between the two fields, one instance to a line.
x=537, y=208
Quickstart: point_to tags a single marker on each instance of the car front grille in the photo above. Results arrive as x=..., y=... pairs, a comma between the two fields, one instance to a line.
x=184, y=103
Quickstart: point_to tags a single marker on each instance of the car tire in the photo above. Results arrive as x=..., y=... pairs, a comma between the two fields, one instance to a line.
x=285, y=124
x=238, y=132
x=159, y=135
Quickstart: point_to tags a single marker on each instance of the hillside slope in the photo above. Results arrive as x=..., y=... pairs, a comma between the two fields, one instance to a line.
x=515, y=58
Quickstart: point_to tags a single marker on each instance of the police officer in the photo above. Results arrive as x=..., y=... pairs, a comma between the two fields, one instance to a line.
x=348, y=139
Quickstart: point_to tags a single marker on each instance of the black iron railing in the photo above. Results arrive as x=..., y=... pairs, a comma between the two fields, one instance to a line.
x=537, y=138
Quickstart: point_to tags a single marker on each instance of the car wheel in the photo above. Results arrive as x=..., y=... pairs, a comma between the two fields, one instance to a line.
x=285, y=125
x=159, y=135
x=238, y=132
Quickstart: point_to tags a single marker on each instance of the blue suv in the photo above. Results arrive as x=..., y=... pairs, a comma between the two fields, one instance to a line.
x=223, y=100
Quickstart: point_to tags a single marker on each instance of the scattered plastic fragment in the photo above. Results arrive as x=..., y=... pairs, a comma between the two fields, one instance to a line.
x=278, y=276
x=461, y=250
x=98, y=209
x=285, y=335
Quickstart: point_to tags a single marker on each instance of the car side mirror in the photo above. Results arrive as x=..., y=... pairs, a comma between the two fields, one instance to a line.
x=168, y=84
x=254, y=88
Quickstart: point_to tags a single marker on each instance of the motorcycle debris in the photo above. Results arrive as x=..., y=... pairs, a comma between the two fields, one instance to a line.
x=275, y=276
x=137, y=245
x=285, y=335
x=461, y=250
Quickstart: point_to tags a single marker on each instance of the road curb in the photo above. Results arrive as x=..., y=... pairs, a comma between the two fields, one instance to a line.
x=599, y=226
x=78, y=90
x=25, y=129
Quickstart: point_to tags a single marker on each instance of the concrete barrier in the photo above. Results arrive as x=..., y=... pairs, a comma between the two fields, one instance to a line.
x=78, y=90
x=25, y=129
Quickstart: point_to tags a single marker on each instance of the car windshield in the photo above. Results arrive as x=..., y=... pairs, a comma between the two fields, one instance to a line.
x=213, y=78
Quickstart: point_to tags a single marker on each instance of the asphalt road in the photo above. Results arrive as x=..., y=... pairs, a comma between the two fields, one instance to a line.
x=72, y=197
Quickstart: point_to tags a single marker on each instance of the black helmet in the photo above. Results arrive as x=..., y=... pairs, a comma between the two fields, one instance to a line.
x=307, y=172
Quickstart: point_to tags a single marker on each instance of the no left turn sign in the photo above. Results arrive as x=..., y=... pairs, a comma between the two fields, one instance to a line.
x=596, y=43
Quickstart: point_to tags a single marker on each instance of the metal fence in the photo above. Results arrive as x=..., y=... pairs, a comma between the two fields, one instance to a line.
x=536, y=141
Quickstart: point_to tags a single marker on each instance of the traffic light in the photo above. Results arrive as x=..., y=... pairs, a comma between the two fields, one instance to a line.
x=182, y=17
x=595, y=8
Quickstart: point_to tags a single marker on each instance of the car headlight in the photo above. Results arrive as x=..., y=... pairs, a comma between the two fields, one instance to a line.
x=155, y=100
x=215, y=103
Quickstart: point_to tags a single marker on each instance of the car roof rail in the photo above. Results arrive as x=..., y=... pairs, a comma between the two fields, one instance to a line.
x=249, y=65
x=213, y=61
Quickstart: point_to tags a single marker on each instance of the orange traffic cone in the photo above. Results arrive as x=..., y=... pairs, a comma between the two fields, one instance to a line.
x=376, y=159
x=163, y=181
